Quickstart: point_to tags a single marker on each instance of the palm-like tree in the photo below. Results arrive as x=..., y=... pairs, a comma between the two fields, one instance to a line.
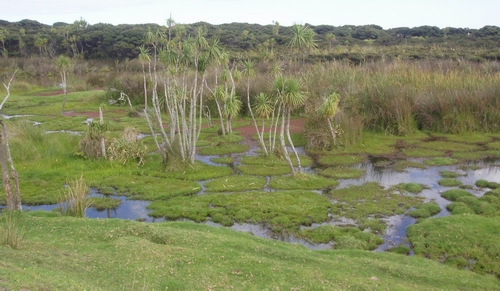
x=249, y=72
x=302, y=39
x=291, y=96
x=328, y=110
x=63, y=63
x=330, y=37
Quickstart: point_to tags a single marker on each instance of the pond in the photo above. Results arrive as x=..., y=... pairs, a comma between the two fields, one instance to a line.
x=385, y=176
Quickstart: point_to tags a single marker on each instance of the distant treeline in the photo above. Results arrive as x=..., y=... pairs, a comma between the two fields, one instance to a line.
x=28, y=38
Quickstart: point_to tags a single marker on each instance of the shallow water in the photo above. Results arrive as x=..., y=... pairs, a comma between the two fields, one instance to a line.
x=385, y=176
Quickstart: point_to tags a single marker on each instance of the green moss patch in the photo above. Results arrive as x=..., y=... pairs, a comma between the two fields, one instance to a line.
x=342, y=173
x=103, y=203
x=494, y=145
x=449, y=174
x=264, y=170
x=487, y=184
x=235, y=183
x=449, y=182
x=449, y=146
x=454, y=194
x=402, y=165
x=340, y=160
x=470, y=156
x=148, y=188
x=414, y=188
x=467, y=138
x=281, y=210
x=443, y=161
x=369, y=203
x=224, y=149
x=425, y=210
x=421, y=153
x=302, y=181
x=466, y=241
x=343, y=237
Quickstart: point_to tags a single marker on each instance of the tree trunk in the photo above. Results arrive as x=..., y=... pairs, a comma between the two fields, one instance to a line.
x=332, y=131
x=103, y=143
x=63, y=79
x=7, y=87
x=5, y=175
x=260, y=136
x=299, y=166
x=15, y=176
x=283, y=145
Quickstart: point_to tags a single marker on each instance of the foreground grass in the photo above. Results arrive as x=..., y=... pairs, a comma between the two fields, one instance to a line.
x=63, y=253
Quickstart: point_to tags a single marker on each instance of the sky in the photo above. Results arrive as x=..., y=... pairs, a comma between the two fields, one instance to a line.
x=386, y=13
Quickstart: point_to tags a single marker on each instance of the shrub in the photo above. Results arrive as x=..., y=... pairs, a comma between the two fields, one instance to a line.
x=127, y=148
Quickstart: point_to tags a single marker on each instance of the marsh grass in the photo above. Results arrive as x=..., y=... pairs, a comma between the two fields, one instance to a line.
x=223, y=149
x=271, y=165
x=425, y=210
x=449, y=174
x=487, y=184
x=235, y=183
x=11, y=232
x=340, y=160
x=421, y=153
x=281, y=210
x=455, y=194
x=464, y=241
x=342, y=237
x=441, y=161
x=413, y=188
x=368, y=204
x=222, y=160
x=472, y=156
x=302, y=181
x=449, y=182
x=342, y=173
x=103, y=203
x=402, y=165
x=74, y=201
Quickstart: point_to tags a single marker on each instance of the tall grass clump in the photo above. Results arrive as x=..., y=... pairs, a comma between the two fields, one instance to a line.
x=74, y=201
x=400, y=97
x=25, y=140
x=11, y=233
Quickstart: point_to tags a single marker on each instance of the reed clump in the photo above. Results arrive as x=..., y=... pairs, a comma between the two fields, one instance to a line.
x=11, y=233
x=74, y=201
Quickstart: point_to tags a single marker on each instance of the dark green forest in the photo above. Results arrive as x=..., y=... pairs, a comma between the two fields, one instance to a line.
x=29, y=38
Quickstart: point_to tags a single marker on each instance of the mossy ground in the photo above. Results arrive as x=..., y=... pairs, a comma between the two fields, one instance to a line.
x=369, y=203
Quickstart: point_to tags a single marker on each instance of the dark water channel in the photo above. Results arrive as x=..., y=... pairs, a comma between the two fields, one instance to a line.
x=386, y=177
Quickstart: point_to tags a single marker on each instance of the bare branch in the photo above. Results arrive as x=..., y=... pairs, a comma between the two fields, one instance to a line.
x=7, y=87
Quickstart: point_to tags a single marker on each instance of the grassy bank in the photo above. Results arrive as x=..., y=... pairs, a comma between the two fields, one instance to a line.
x=62, y=253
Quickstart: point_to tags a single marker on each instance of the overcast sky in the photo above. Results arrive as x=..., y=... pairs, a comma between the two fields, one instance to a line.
x=386, y=13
